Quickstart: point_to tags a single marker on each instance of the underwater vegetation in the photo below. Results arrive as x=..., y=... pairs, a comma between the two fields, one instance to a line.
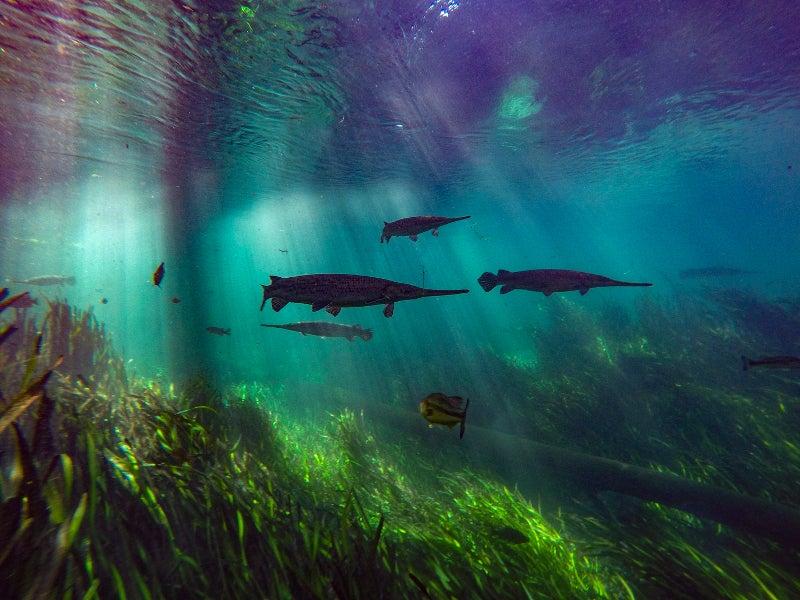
x=114, y=487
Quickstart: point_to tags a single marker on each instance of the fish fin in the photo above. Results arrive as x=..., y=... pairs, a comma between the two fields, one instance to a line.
x=507, y=288
x=388, y=310
x=349, y=338
x=319, y=305
x=435, y=231
x=487, y=281
x=264, y=297
x=334, y=310
x=583, y=291
x=464, y=421
x=274, y=279
x=278, y=303
x=547, y=293
x=503, y=273
x=413, y=238
x=745, y=362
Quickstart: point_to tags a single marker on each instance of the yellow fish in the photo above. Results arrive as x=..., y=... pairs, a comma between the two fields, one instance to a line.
x=439, y=409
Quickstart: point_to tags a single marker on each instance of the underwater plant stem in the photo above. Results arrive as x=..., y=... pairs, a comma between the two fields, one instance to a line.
x=594, y=474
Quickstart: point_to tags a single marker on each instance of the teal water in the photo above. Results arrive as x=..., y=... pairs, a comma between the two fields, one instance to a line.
x=238, y=141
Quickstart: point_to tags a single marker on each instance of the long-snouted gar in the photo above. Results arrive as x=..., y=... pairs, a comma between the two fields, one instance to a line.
x=771, y=362
x=413, y=226
x=45, y=280
x=548, y=281
x=324, y=329
x=334, y=291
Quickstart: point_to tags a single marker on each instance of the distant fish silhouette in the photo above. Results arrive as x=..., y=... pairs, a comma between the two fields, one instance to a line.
x=158, y=275
x=771, y=362
x=334, y=291
x=326, y=330
x=45, y=280
x=548, y=281
x=412, y=226
x=218, y=330
x=713, y=272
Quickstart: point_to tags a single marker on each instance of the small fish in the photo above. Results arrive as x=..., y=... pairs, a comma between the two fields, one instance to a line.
x=771, y=362
x=412, y=226
x=439, y=409
x=104, y=300
x=158, y=275
x=176, y=300
x=218, y=330
x=324, y=329
x=45, y=280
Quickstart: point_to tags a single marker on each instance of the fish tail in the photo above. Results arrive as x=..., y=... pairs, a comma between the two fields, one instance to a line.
x=488, y=281
x=745, y=362
x=266, y=296
x=464, y=420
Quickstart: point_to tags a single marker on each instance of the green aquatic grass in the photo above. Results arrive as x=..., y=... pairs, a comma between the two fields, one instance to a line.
x=122, y=488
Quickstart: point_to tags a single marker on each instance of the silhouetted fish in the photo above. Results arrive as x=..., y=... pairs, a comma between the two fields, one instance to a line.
x=45, y=280
x=771, y=362
x=158, y=275
x=334, y=291
x=325, y=329
x=218, y=330
x=713, y=272
x=412, y=226
x=548, y=281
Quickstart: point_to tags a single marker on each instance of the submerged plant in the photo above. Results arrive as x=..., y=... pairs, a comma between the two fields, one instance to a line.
x=113, y=487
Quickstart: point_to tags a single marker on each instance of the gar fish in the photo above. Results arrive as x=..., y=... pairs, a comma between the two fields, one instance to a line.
x=411, y=226
x=326, y=330
x=771, y=362
x=218, y=330
x=334, y=291
x=158, y=275
x=439, y=409
x=548, y=281
x=713, y=272
x=45, y=280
